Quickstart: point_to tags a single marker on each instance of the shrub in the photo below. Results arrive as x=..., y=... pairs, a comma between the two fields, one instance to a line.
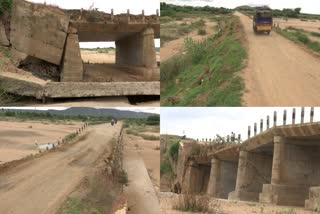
x=174, y=150
x=303, y=38
x=123, y=178
x=5, y=5
x=191, y=203
x=202, y=32
x=316, y=34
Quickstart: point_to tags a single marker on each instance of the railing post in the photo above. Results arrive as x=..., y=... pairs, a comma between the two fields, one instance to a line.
x=249, y=129
x=255, y=129
x=112, y=15
x=293, y=116
x=268, y=122
x=239, y=138
x=311, y=114
x=302, y=115
x=128, y=15
x=275, y=118
x=261, y=125
x=284, y=117
x=228, y=138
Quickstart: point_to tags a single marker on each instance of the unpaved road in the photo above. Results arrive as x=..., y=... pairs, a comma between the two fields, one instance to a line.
x=279, y=72
x=141, y=194
x=41, y=185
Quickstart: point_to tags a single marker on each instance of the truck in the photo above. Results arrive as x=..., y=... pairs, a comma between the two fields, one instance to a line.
x=262, y=20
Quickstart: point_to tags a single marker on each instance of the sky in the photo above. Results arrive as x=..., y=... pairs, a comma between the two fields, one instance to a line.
x=119, y=6
x=155, y=110
x=198, y=123
x=308, y=6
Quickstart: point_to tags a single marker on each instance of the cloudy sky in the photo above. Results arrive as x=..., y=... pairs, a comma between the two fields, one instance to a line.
x=118, y=6
x=207, y=122
x=308, y=6
x=155, y=110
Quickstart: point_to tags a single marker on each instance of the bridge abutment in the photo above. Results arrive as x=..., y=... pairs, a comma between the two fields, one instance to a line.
x=254, y=170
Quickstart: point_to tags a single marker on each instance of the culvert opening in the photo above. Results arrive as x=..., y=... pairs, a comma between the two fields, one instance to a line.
x=133, y=100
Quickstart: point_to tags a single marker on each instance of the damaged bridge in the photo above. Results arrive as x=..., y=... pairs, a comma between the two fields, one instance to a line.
x=44, y=44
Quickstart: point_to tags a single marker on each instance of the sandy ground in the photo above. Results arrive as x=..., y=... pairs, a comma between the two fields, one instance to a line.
x=96, y=57
x=17, y=139
x=41, y=185
x=171, y=48
x=140, y=157
x=297, y=23
x=167, y=200
x=279, y=72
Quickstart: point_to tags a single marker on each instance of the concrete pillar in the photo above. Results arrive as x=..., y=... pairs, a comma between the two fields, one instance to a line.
x=277, y=159
x=137, y=50
x=254, y=170
x=72, y=66
x=214, y=177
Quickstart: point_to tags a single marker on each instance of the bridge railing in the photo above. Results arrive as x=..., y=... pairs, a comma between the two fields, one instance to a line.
x=284, y=121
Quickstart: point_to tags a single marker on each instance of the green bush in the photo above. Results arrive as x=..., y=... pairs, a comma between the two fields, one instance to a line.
x=174, y=150
x=191, y=203
x=5, y=5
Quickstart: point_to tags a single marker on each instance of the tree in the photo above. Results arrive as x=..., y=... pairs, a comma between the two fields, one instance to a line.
x=297, y=10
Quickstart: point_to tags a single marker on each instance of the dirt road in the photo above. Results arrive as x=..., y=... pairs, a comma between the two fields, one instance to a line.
x=279, y=72
x=41, y=185
x=141, y=194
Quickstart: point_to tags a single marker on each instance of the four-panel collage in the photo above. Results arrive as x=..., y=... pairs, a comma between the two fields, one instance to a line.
x=159, y=106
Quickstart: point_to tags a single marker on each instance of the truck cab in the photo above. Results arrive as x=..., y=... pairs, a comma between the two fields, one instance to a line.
x=262, y=20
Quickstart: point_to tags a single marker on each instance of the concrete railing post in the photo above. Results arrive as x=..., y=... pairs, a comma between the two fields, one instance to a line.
x=311, y=114
x=268, y=122
x=293, y=116
x=239, y=138
x=249, y=129
x=112, y=16
x=302, y=115
x=284, y=117
x=275, y=118
x=128, y=15
x=228, y=138
x=255, y=129
x=143, y=18
x=261, y=125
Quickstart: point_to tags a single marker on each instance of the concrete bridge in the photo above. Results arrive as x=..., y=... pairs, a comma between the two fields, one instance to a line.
x=279, y=166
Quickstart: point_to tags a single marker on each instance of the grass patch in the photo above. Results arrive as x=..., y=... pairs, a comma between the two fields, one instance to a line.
x=5, y=5
x=290, y=211
x=301, y=38
x=315, y=34
x=70, y=136
x=206, y=74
